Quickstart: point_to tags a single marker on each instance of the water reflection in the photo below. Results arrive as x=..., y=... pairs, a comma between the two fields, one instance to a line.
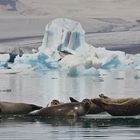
x=83, y=122
x=20, y=127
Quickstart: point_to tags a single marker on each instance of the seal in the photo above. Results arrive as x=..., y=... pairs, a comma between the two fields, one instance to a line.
x=64, y=110
x=112, y=100
x=10, y=108
x=94, y=108
x=73, y=100
x=128, y=108
x=54, y=103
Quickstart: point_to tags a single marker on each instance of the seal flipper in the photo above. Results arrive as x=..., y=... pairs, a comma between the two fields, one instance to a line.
x=73, y=100
x=103, y=96
x=35, y=107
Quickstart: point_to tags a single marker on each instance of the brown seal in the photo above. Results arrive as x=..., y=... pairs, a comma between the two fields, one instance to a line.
x=128, y=108
x=10, y=108
x=112, y=100
x=66, y=109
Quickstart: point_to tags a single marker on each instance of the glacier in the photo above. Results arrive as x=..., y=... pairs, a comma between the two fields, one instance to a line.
x=64, y=48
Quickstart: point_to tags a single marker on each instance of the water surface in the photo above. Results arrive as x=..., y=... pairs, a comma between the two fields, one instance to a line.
x=40, y=89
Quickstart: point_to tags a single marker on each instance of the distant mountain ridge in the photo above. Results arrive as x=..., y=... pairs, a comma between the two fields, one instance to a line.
x=73, y=8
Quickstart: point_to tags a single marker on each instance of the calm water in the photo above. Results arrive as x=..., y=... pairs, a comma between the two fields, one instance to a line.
x=40, y=90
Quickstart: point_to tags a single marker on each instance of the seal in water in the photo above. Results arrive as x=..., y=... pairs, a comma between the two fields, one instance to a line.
x=10, y=108
x=128, y=108
x=66, y=109
x=94, y=109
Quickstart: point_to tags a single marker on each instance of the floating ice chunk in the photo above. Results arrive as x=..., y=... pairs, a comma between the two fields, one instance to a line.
x=4, y=60
x=64, y=34
x=37, y=61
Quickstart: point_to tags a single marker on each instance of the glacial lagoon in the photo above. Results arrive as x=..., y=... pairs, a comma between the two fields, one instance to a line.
x=40, y=89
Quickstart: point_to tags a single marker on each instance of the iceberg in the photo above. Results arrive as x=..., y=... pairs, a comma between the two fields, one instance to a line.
x=4, y=58
x=64, y=47
x=67, y=35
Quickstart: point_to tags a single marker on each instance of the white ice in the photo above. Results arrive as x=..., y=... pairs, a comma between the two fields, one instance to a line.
x=67, y=37
x=4, y=59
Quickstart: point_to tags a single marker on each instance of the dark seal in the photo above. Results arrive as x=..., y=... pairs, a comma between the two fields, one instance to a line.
x=63, y=110
x=94, y=108
x=10, y=108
